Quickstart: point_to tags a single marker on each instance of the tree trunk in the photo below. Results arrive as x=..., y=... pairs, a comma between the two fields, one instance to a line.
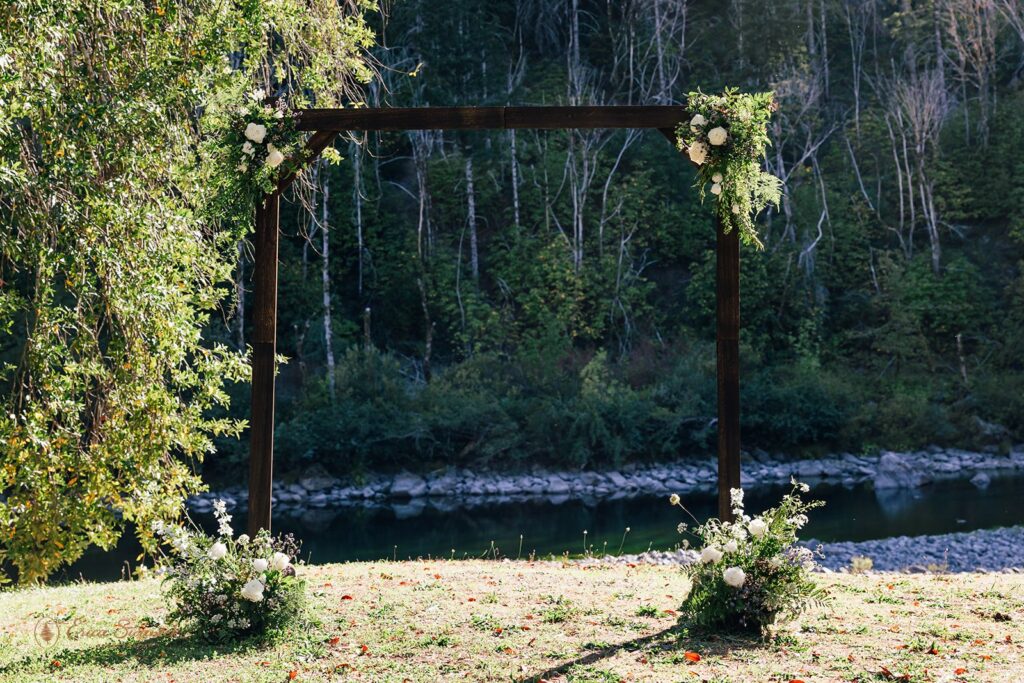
x=326, y=282
x=474, y=254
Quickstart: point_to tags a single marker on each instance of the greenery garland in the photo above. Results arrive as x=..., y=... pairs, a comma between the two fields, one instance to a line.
x=727, y=138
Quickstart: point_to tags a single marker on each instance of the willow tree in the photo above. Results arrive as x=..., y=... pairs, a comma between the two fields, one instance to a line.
x=121, y=222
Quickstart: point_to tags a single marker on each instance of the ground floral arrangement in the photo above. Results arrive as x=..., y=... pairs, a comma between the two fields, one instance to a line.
x=726, y=138
x=226, y=588
x=750, y=572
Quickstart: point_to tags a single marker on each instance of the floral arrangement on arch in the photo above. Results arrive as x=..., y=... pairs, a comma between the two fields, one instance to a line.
x=263, y=139
x=726, y=138
x=750, y=571
x=225, y=587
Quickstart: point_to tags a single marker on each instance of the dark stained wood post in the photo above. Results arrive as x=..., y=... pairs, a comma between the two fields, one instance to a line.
x=728, y=342
x=264, y=349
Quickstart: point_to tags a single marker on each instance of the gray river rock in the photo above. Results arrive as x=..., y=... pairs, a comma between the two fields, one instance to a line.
x=890, y=473
x=986, y=550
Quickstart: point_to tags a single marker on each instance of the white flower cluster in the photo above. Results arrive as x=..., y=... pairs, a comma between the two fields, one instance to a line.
x=698, y=150
x=220, y=511
x=255, y=133
x=736, y=543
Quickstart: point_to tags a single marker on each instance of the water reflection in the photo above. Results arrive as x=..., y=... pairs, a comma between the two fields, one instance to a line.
x=443, y=528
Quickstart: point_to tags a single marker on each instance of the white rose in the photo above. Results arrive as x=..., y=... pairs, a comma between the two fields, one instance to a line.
x=717, y=178
x=731, y=547
x=736, y=208
x=717, y=136
x=710, y=554
x=243, y=539
x=716, y=189
x=260, y=565
x=256, y=132
x=217, y=551
x=734, y=576
x=274, y=156
x=697, y=122
x=253, y=591
x=279, y=562
x=698, y=152
x=757, y=528
x=248, y=148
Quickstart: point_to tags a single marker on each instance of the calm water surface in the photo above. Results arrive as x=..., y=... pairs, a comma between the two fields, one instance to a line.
x=853, y=514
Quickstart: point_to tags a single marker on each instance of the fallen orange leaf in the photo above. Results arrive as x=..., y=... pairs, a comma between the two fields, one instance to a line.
x=292, y=675
x=961, y=671
x=692, y=656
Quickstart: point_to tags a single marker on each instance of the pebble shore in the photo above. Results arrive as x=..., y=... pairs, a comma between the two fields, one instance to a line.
x=987, y=550
x=455, y=488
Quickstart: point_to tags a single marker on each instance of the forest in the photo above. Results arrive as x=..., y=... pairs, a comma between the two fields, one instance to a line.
x=512, y=298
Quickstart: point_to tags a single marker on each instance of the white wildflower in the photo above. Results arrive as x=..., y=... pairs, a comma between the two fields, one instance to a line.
x=717, y=136
x=717, y=178
x=255, y=132
x=274, y=156
x=757, y=528
x=253, y=591
x=698, y=152
x=734, y=576
x=731, y=546
x=279, y=562
x=673, y=499
x=710, y=554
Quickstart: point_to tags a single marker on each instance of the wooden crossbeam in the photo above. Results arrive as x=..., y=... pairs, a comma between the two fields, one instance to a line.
x=494, y=118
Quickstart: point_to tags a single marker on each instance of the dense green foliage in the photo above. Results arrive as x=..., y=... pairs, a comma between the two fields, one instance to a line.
x=120, y=232
x=583, y=336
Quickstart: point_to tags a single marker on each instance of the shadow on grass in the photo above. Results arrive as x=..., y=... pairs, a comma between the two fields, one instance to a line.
x=159, y=650
x=674, y=639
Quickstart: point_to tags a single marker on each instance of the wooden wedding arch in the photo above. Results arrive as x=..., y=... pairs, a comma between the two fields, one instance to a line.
x=326, y=124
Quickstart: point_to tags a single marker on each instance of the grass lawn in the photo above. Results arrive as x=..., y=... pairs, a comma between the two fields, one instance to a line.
x=518, y=621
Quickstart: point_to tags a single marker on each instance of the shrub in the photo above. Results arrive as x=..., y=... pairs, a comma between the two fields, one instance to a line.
x=750, y=572
x=226, y=588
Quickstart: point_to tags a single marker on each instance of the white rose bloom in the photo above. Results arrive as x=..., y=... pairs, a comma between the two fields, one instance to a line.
x=243, y=539
x=717, y=136
x=248, y=148
x=710, y=554
x=736, y=208
x=757, y=528
x=717, y=178
x=734, y=576
x=274, y=156
x=697, y=122
x=217, y=551
x=716, y=189
x=279, y=562
x=731, y=547
x=253, y=591
x=260, y=565
x=698, y=152
x=256, y=132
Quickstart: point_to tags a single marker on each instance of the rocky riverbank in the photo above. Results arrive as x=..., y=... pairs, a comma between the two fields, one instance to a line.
x=453, y=488
x=987, y=550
